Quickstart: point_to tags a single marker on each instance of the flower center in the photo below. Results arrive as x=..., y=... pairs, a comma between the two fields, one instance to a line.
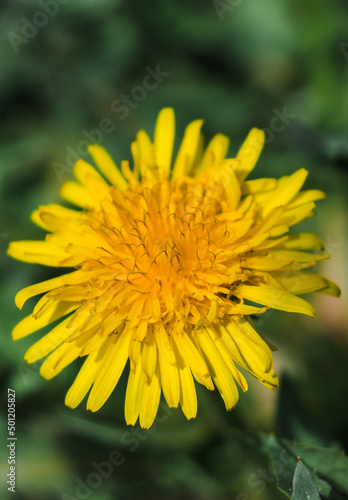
x=168, y=245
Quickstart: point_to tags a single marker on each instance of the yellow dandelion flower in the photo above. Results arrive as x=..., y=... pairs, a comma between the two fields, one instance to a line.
x=170, y=262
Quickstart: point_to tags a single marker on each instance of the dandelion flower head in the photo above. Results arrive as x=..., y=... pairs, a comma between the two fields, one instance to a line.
x=170, y=259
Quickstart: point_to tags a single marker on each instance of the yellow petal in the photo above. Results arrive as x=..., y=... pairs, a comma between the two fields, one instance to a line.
x=150, y=401
x=48, y=342
x=72, y=278
x=76, y=194
x=214, y=154
x=295, y=215
x=287, y=188
x=227, y=358
x=146, y=152
x=55, y=209
x=248, y=349
x=188, y=150
x=37, y=252
x=31, y=324
x=134, y=352
x=265, y=263
x=204, y=380
x=331, y=289
x=165, y=346
x=170, y=382
x=149, y=356
x=107, y=166
x=218, y=370
x=269, y=221
x=164, y=140
x=82, y=170
x=272, y=381
x=244, y=309
x=300, y=259
x=190, y=354
x=274, y=242
x=258, y=186
x=35, y=217
x=274, y=298
x=188, y=397
x=278, y=230
x=252, y=349
x=299, y=282
x=110, y=372
x=142, y=329
x=94, y=342
x=85, y=377
x=213, y=310
x=306, y=196
x=225, y=174
x=201, y=379
x=303, y=241
x=59, y=359
x=249, y=152
x=128, y=174
x=134, y=394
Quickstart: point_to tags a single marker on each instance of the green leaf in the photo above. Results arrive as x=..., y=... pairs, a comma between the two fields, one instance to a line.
x=327, y=491
x=331, y=465
x=304, y=487
x=283, y=464
x=328, y=467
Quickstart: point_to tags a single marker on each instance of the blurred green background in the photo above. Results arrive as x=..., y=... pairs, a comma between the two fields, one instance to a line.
x=281, y=66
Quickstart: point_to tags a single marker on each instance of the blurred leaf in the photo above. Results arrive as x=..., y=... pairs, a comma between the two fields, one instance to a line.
x=327, y=491
x=304, y=487
x=283, y=464
x=330, y=464
x=329, y=467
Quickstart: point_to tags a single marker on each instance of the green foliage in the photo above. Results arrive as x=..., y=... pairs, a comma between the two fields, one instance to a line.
x=304, y=486
x=262, y=58
x=303, y=470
